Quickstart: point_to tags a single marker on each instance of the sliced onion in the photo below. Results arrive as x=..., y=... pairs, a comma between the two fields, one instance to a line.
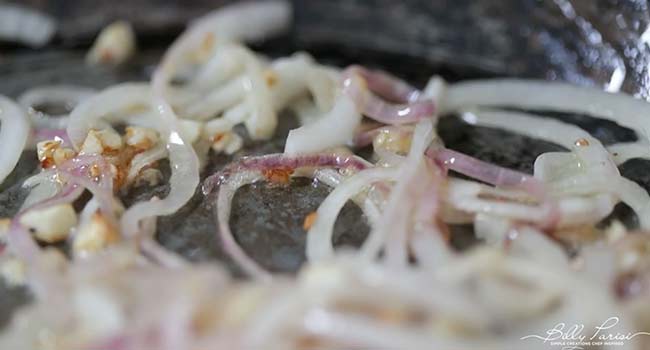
x=218, y=100
x=67, y=95
x=395, y=223
x=14, y=131
x=110, y=105
x=622, y=152
x=224, y=202
x=184, y=178
x=26, y=26
x=221, y=67
x=355, y=87
x=486, y=172
x=546, y=129
x=79, y=170
x=387, y=86
x=319, y=237
x=298, y=74
x=334, y=129
x=145, y=159
x=555, y=96
x=42, y=134
x=262, y=20
x=154, y=251
x=250, y=169
x=183, y=159
x=41, y=186
x=282, y=161
x=563, y=212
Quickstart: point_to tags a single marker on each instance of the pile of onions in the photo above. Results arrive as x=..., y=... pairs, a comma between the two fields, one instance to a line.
x=406, y=286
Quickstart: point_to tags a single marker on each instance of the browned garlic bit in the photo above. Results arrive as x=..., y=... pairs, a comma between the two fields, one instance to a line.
x=227, y=142
x=94, y=236
x=52, y=224
x=309, y=220
x=119, y=151
x=50, y=153
x=582, y=142
x=271, y=77
x=392, y=140
x=114, y=45
x=141, y=138
x=278, y=176
x=149, y=176
x=102, y=141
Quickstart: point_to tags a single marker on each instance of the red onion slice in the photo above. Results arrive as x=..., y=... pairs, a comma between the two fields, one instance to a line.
x=387, y=86
x=486, y=172
x=79, y=170
x=282, y=161
x=224, y=204
x=44, y=134
x=359, y=90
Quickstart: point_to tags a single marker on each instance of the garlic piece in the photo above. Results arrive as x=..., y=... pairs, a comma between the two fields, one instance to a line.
x=13, y=272
x=393, y=140
x=227, y=142
x=62, y=154
x=45, y=152
x=101, y=141
x=141, y=138
x=51, y=224
x=149, y=176
x=94, y=236
x=114, y=45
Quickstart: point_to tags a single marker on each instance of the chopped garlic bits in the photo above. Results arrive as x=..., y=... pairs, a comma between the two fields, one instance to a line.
x=102, y=142
x=51, y=153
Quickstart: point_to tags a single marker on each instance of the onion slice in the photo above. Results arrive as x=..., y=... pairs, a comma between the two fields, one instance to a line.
x=357, y=88
x=543, y=95
x=224, y=203
x=14, y=131
x=285, y=162
x=94, y=174
x=110, y=105
x=67, y=95
x=336, y=128
x=319, y=236
x=184, y=178
x=486, y=172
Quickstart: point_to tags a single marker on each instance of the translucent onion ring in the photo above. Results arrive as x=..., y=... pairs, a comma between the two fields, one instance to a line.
x=68, y=95
x=14, y=131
